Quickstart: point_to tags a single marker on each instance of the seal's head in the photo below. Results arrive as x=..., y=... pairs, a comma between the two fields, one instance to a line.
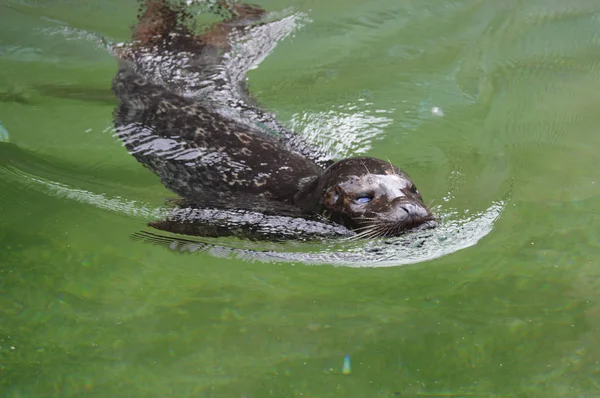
x=368, y=195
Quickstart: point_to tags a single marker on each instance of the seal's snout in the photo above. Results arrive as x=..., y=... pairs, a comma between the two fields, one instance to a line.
x=414, y=210
x=408, y=213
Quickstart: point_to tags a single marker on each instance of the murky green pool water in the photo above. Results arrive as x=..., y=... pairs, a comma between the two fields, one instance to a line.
x=482, y=102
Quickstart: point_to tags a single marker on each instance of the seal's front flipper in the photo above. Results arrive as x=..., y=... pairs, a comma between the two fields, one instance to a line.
x=247, y=224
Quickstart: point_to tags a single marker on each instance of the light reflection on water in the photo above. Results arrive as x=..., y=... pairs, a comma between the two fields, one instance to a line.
x=347, y=130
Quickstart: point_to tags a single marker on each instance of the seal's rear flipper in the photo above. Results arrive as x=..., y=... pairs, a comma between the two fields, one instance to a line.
x=167, y=50
x=169, y=25
x=212, y=66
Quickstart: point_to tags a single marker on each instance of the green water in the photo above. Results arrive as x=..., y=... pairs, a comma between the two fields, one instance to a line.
x=87, y=312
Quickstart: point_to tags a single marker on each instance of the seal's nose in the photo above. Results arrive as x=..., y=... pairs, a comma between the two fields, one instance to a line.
x=409, y=214
x=414, y=210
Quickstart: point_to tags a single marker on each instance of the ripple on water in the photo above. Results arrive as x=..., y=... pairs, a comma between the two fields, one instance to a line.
x=452, y=235
x=345, y=130
x=449, y=237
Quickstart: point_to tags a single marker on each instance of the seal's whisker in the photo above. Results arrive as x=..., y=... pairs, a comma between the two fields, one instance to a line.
x=365, y=166
x=368, y=219
x=391, y=165
x=362, y=231
x=369, y=226
x=372, y=232
x=389, y=230
x=396, y=230
x=359, y=235
x=378, y=231
x=368, y=234
x=369, y=231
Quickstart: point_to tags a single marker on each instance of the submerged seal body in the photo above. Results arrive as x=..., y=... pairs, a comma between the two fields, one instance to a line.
x=185, y=113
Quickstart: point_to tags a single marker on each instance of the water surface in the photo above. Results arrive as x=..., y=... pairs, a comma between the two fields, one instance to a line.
x=491, y=107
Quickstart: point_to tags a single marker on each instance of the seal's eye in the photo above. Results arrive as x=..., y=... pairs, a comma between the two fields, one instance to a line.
x=361, y=200
x=335, y=196
x=413, y=189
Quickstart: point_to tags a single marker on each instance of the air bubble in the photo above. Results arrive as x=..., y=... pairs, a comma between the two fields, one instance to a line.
x=436, y=111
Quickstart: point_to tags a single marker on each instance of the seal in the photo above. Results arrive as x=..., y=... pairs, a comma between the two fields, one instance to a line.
x=185, y=113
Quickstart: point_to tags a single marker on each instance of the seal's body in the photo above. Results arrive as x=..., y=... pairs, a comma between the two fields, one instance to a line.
x=200, y=153
x=185, y=113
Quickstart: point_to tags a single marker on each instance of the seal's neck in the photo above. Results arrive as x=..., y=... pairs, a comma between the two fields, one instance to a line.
x=308, y=197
